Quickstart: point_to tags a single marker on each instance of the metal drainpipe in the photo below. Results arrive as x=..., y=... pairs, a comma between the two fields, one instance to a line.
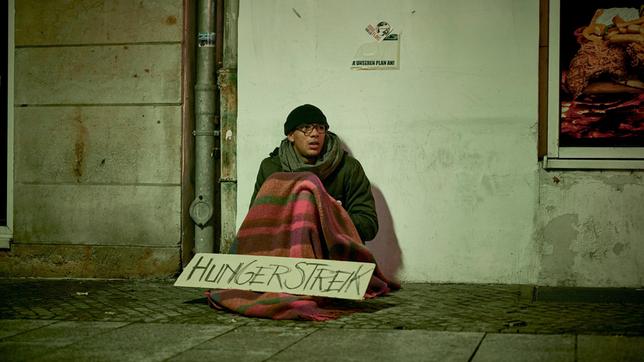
x=202, y=208
x=227, y=80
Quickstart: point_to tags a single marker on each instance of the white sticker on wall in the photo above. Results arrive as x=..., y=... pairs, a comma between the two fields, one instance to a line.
x=206, y=40
x=382, y=52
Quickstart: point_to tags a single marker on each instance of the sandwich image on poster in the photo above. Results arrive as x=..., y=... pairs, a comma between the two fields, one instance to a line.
x=602, y=74
x=381, y=53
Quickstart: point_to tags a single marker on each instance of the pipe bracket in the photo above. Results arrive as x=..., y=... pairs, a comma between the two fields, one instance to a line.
x=228, y=179
x=201, y=211
x=215, y=133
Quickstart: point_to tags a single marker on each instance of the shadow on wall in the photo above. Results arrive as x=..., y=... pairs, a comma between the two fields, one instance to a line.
x=385, y=245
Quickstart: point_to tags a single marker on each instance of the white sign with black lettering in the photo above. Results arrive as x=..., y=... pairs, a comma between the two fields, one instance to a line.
x=382, y=52
x=318, y=277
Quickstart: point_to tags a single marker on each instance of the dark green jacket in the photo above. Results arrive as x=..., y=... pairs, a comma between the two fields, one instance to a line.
x=348, y=183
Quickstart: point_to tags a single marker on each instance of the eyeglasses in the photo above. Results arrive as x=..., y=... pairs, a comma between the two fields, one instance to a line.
x=308, y=128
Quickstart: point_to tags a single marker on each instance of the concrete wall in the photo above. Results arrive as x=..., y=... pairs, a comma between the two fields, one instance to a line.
x=591, y=228
x=97, y=155
x=449, y=140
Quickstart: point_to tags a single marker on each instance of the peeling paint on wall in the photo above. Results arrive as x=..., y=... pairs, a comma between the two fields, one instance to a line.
x=620, y=181
x=591, y=232
x=557, y=239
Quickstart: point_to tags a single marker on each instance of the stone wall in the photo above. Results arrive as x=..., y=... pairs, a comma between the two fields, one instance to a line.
x=97, y=155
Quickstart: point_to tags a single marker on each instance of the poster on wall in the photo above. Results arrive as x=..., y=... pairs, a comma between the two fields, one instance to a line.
x=601, y=60
x=381, y=52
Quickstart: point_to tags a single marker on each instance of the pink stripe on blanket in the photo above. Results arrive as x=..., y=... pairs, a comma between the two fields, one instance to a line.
x=294, y=208
x=268, y=230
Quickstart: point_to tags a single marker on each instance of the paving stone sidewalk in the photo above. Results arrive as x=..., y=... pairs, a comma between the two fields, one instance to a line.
x=150, y=320
x=434, y=307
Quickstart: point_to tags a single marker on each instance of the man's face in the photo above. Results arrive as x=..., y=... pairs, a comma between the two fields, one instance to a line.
x=310, y=146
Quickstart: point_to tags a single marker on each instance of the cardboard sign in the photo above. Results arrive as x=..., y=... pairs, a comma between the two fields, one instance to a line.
x=319, y=277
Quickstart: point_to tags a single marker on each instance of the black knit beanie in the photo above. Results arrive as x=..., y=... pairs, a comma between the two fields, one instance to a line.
x=306, y=113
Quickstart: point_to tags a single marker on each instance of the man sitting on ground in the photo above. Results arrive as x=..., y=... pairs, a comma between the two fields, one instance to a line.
x=302, y=192
x=309, y=146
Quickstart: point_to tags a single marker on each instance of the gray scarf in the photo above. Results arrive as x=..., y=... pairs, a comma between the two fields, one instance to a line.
x=325, y=164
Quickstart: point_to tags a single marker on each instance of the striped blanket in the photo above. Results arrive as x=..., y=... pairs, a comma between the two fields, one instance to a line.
x=294, y=216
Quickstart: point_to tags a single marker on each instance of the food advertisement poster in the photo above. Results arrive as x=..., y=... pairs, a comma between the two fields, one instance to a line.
x=601, y=73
